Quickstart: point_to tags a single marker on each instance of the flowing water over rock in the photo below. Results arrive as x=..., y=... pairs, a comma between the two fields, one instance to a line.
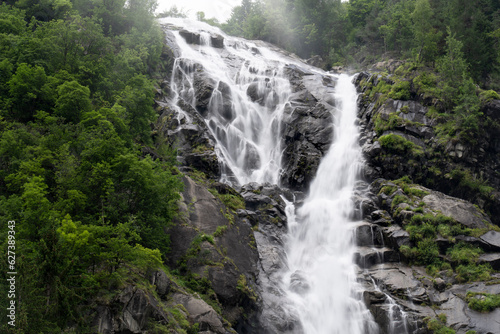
x=320, y=248
x=251, y=97
x=241, y=91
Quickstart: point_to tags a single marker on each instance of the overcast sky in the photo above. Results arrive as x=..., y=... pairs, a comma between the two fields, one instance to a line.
x=220, y=9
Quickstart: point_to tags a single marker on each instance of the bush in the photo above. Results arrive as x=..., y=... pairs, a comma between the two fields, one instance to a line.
x=463, y=253
x=473, y=272
x=400, y=91
x=482, y=302
x=398, y=144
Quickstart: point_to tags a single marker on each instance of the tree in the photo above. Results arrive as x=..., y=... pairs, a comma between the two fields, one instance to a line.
x=73, y=100
x=26, y=88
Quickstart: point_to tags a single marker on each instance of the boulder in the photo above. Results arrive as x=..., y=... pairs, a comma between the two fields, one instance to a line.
x=162, y=282
x=190, y=37
x=460, y=210
x=492, y=239
x=493, y=259
x=217, y=41
x=200, y=312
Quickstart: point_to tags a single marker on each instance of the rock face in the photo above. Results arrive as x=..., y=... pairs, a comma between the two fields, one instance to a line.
x=307, y=128
x=457, y=164
x=393, y=208
x=227, y=244
x=204, y=248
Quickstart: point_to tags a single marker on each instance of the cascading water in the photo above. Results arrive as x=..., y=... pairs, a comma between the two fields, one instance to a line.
x=248, y=95
x=246, y=104
x=320, y=246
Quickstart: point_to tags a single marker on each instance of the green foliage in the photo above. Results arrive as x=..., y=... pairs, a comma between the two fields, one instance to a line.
x=397, y=144
x=482, y=302
x=76, y=98
x=466, y=183
x=438, y=325
x=473, y=272
x=73, y=100
x=400, y=91
x=488, y=95
x=463, y=253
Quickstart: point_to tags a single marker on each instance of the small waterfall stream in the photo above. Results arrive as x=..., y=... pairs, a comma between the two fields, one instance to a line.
x=250, y=92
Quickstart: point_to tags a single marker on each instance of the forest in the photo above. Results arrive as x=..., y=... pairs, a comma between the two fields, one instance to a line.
x=76, y=103
x=89, y=187
x=362, y=32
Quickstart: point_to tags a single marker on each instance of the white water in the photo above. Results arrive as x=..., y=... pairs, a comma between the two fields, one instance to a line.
x=321, y=282
x=320, y=245
x=247, y=132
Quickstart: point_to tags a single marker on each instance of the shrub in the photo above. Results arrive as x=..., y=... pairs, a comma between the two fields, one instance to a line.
x=482, y=302
x=463, y=253
x=398, y=144
x=473, y=272
x=488, y=95
x=400, y=91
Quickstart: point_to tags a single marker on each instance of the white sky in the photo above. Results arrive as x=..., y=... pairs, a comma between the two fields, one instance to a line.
x=220, y=9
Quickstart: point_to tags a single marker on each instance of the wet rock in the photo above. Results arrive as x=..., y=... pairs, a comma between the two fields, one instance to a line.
x=190, y=37
x=298, y=283
x=368, y=235
x=307, y=137
x=365, y=257
x=395, y=236
x=217, y=41
x=316, y=61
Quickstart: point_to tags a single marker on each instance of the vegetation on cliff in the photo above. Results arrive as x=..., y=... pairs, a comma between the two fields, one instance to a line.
x=363, y=31
x=76, y=103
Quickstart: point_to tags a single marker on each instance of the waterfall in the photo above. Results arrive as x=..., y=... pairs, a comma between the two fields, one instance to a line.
x=320, y=246
x=248, y=95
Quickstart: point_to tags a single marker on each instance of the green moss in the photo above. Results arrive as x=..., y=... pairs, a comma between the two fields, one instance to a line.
x=220, y=230
x=482, y=302
x=438, y=325
x=201, y=149
x=463, y=253
x=473, y=272
x=397, y=144
x=398, y=199
x=400, y=91
x=387, y=190
x=382, y=125
x=468, y=183
x=242, y=286
x=488, y=95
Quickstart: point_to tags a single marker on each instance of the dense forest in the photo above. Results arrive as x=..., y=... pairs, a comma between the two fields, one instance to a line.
x=361, y=32
x=76, y=103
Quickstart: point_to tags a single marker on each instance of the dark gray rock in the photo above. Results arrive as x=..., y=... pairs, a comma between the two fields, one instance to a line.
x=190, y=37
x=492, y=239
x=493, y=259
x=217, y=41
x=368, y=235
x=162, y=282
x=365, y=257
x=307, y=137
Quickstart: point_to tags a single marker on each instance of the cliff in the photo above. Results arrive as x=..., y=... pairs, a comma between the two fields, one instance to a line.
x=428, y=243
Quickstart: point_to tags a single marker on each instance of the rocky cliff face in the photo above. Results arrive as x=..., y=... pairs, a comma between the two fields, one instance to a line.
x=411, y=235
x=428, y=234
